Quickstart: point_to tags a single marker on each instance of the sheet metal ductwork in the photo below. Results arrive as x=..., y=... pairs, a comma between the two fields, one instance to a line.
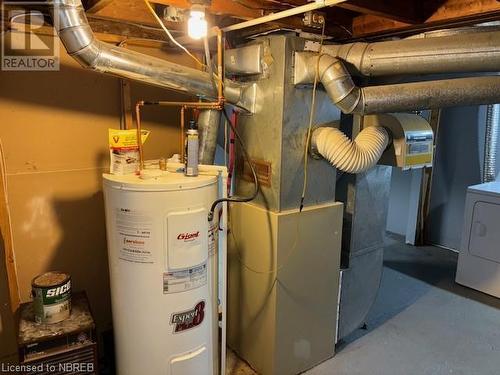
x=350, y=98
x=208, y=126
x=464, y=52
x=80, y=43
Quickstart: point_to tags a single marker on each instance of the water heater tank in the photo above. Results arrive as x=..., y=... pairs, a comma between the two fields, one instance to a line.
x=162, y=263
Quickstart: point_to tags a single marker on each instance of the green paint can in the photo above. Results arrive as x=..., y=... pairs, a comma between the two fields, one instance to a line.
x=51, y=293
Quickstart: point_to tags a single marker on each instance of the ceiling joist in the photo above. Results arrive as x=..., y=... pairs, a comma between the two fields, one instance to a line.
x=352, y=19
x=403, y=11
x=450, y=13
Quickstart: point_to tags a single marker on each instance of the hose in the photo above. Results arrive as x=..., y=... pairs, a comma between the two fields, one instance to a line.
x=351, y=156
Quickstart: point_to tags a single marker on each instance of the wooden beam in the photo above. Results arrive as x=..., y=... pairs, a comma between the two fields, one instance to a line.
x=111, y=34
x=130, y=30
x=221, y=7
x=128, y=10
x=93, y=6
x=460, y=8
x=341, y=18
x=403, y=11
x=451, y=13
x=6, y=243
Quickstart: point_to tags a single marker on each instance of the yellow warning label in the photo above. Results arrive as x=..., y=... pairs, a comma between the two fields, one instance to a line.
x=418, y=159
x=125, y=138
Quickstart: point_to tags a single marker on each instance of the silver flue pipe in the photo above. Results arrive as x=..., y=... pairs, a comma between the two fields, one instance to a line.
x=461, y=52
x=208, y=125
x=350, y=98
x=75, y=33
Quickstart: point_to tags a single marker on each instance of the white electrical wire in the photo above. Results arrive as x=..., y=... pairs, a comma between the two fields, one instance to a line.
x=311, y=117
x=152, y=11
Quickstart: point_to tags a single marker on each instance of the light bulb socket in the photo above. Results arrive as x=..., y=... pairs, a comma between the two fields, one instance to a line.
x=197, y=9
x=203, y=3
x=197, y=25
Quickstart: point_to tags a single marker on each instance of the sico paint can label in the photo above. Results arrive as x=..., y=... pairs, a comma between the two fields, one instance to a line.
x=51, y=293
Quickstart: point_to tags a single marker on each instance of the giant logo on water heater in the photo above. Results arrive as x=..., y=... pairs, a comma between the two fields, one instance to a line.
x=185, y=320
x=188, y=236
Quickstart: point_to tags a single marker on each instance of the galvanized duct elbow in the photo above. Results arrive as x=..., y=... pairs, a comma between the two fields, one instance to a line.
x=78, y=39
x=349, y=156
x=337, y=82
x=463, y=52
x=393, y=98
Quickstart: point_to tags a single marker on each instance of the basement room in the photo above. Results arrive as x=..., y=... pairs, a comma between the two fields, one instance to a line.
x=250, y=187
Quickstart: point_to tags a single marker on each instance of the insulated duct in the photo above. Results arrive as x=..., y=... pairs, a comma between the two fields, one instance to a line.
x=75, y=33
x=208, y=126
x=350, y=156
x=491, y=139
x=464, y=52
x=392, y=98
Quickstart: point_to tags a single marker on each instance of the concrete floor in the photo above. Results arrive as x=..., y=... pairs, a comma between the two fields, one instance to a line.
x=421, y=323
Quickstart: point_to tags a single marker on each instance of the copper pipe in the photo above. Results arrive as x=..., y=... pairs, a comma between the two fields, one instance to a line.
x=220, y=72
x=201, y=105
x=139, y=133
x=218, y=105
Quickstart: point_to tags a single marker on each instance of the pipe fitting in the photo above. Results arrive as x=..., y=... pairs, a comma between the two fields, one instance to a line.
x=77, y=37
x=403, y=97
x=461, y=52
x=337, y=82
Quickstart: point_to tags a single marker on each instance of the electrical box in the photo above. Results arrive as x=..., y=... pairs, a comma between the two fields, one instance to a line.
x=412, y=143
x=244, y=60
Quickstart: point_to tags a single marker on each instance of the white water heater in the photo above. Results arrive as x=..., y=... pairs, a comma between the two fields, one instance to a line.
x=163, y=273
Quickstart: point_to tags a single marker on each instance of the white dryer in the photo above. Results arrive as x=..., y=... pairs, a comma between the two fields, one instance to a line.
x=479, y=259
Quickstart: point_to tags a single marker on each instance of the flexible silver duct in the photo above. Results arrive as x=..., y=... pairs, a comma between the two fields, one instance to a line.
x=431, y=94
x=491, y=139
x=78, y=39
x=395, y=98
x=208, y=126
x=464, y=52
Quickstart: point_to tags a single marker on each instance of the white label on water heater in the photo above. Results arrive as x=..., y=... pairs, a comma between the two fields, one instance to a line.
x=188, y=279
x=133, y=228
x=186, y=240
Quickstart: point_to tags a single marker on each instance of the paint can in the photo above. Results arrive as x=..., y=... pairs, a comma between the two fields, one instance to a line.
x=51, y=293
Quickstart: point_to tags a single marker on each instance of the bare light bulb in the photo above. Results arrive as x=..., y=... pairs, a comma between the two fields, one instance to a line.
x=197, y=25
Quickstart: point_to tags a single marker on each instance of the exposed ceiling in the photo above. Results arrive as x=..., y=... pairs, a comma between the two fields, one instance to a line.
x=350, y=19
x=117, y=20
